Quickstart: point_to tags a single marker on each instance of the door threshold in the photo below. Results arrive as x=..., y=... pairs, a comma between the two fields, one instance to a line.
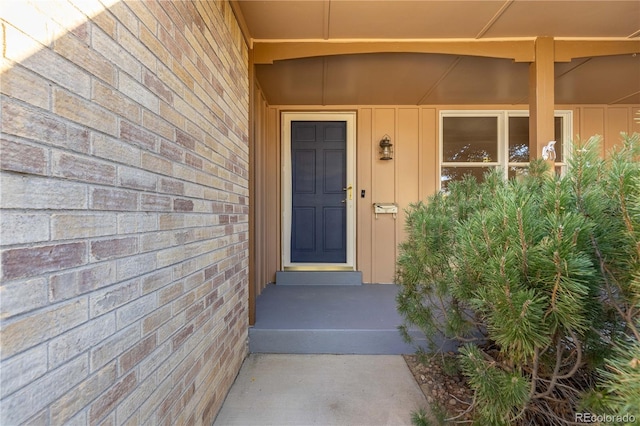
x=322, y=268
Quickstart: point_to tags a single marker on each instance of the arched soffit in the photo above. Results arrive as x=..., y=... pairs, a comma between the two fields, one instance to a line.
x=523, y=50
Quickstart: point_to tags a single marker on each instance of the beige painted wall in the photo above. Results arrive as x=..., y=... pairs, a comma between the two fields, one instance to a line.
x=411, y=176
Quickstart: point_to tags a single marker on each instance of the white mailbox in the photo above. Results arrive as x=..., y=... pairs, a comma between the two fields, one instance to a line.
x=385, y=208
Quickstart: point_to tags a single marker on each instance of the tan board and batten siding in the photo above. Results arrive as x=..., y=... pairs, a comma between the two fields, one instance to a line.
x=411, y=176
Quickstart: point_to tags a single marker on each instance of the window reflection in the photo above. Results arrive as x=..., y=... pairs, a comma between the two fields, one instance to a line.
x=469, y=142
x=519, y=139
x=470, y=139
x=452, y=174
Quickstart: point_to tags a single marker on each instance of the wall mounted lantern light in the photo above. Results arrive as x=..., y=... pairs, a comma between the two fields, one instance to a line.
x=386, y=148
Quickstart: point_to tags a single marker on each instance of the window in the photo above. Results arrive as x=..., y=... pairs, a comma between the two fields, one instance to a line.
x=472, y=142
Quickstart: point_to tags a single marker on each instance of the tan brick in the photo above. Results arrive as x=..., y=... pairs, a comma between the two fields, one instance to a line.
x=184, y=301
x=150, y=406
x=103, y=21
x=171, y=221
x=63, y=14
x=30, y=123
x=171, y=115
x=83, y=112
x=23, y=158
x=79, y=397
x=154, y=320
x=142, y=12
x=109, y=349
x=170, y=79
x=23, y=369
x=156, y=280
x=126, y=17
x=134, y=266
x=171, y=151
x=157, y=86
x=137, y=91
x=79, y=53
x=113, y=297
x=23, y=84
x=21, y=228
x=40, y=326
x=71, y=284
x=137, y=179
x=114, y=53
x=133, y=356
x=156, y=164
x=158, y=125
x=135, y=310
x=81, y=168
x=170, y=293
x=110, y=420
x=71, y=226
x=138, y=136
x=171, y=186
x=80, y=339
x=170, y=44
x=116, y=102
x=188, y=174
x=154, y=45
x=155, y=202
x=182, y=205
x=22, y=296
x=137, y=49
x=116, y=150
x=127, y=409
x=193, y=161
x=131, y=223
x=60, y=71
x=214, y=135
x=33, y=261
x=183, y=75
x=77, y=139
x=109, y=400
x=20, y=406
x=113, y=248
x=29, y=20
x=113, y=199
x=155, y=241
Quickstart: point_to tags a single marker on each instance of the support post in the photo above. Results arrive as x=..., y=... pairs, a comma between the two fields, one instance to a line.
x=541, y=97
x=252, y=186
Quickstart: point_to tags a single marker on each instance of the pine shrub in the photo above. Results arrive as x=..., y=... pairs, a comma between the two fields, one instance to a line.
x=538, y=280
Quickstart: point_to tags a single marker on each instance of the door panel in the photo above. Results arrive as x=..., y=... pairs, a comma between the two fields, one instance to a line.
x=318, y=229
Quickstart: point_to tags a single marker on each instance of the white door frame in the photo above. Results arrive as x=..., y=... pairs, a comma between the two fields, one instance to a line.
x=350, y=195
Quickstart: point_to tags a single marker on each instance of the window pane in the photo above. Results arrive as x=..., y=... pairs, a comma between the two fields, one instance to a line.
x=450, y=174
x=559, y=141
x=469, y=139
x=519, y=139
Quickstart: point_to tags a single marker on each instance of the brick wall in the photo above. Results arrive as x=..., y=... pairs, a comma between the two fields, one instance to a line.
x=124, y=211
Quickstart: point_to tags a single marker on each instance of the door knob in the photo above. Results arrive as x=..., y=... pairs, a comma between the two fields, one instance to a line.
x=350, y=189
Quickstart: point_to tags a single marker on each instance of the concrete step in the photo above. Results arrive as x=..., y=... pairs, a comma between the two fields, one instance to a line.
x=316, y=319
x=319, y=278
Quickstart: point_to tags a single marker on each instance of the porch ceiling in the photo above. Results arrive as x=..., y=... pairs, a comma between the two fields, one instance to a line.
x=420, y=79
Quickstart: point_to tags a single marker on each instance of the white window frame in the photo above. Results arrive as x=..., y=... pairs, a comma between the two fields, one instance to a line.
x=502, y=117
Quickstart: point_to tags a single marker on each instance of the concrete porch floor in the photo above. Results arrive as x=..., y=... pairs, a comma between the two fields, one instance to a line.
x=280, y=389
x=329, y=319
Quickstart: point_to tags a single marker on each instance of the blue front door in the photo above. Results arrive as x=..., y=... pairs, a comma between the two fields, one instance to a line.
x=318, y=160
